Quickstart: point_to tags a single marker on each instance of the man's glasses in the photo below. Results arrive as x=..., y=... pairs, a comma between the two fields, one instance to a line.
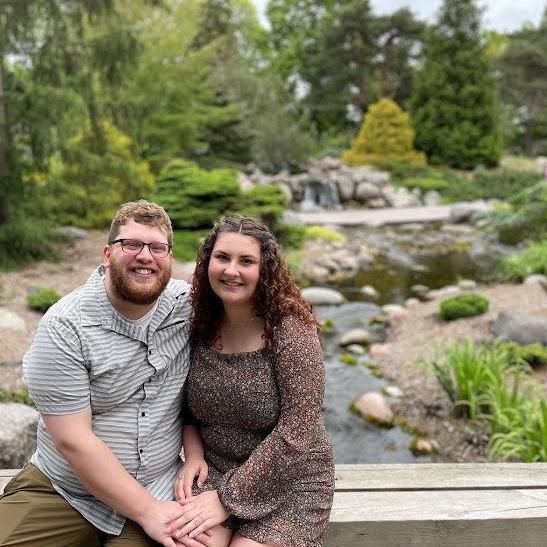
x=135, y=246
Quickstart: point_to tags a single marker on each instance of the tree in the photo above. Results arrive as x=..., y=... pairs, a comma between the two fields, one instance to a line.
x=385, y=135
x=453, y=105
x=523, y=81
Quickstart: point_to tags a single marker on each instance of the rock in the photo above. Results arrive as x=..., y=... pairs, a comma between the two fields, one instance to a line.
x=444, y=292
x=370, y=291
x=463, y=212
x=287, y=192
x=400, y=197
x=72, y=232
x=423, y=447
x=379, y=350
x=290, y=217
x=420, y=291
x=245, y=182
x=317, y=274
x=17, y=434
x=377, y=203
x=356, y=349
x=346, y=187
x=354, y=336
x=320, y=296
x=411, y=302
x=11, y=321
x=467, y=285
x=392, y=391
x=394, y=311
x=536, y=279
x=374, y=408
x=521, y=328
x=365, y=191
x=432, y=197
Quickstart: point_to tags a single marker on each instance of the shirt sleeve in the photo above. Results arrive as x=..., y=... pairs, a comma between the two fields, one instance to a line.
x=54, y=369
x=258, y=486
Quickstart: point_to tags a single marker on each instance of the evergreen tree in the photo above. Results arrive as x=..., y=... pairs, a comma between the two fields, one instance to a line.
x=385, y=135
x=453, y=105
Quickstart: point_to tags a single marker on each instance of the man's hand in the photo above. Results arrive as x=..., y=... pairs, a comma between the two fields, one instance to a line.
x=200, y=513
x=192, y=468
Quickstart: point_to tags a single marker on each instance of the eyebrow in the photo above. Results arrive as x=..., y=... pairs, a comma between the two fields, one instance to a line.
x=242, y=256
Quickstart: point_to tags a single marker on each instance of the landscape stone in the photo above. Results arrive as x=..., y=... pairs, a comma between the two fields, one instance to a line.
x=370, y=291
x=11, y=321
x=320, y=296
x=522, y=328
x=374, y=408
x=392, y=391
x=17, y=434
x=536, y=279
x=356, y=349
x=354, y=336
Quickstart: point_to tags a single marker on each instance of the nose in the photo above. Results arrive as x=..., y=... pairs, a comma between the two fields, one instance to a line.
x=144, y=253
x=231, y=269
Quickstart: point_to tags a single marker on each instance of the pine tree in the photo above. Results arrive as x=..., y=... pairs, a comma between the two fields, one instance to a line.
x=453, y=105
x=385, y=135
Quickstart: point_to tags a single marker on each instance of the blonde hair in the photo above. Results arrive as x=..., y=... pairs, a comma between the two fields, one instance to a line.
x=143, y=212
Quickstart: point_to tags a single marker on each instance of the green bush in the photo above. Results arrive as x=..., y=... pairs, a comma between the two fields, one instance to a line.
x=193, y=197
x=24, y=239
x=532, y=260
x=266, y=202
x=425, y=184
x=463, y=305
x=42, y=299
x=326, y=234
x=534, y=355
x=186, y=244
x=503, y=183
x=291, y=236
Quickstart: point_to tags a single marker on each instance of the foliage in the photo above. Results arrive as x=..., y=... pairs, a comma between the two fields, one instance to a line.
x=15, y=396
x=23, y=239
x=85, y=184
x=469, y=373
x=531, y=260
x=266, y=202
x=385, y=135
x=425, y=184
x=326, y=234
x=463, y=305
x=42, y=299
x=195, y=198
x=453, y=103
x=291, y=236
x=503, y=183
x=186, y=244
x=534, y=355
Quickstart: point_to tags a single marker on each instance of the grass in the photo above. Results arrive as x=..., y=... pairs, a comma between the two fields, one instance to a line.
x=532, y=260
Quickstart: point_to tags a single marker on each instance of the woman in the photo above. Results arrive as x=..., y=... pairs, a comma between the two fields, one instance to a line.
x=254, y=393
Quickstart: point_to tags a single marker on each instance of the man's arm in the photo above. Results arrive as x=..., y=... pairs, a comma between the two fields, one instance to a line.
x=102, y=474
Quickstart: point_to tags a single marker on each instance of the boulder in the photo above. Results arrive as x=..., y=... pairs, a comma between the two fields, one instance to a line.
x=365, y=191
x=374, y=408
x=320, y=296
x=522, y=328
x=72, y=232
x=17, y=434
x=346, y=187
x=431, y=198
x=11, y=321
x=394, y=311
x=354, y=336
x=356, y=349
x=245, y=182
x=467, y=285
x=370, y=291
x=463, y=212
x=536, y=279
x=377, y=203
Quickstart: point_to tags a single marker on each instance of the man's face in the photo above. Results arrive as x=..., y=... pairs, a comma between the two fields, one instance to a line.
x=137, y=278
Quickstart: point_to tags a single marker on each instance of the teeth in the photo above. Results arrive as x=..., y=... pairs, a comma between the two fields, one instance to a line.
x=143, y=271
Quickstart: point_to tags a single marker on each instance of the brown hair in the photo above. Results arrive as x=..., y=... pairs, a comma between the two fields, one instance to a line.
x=143, y=212
x=277, y=294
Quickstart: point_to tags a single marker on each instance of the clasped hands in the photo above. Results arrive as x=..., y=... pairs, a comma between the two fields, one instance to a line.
x=199, y=513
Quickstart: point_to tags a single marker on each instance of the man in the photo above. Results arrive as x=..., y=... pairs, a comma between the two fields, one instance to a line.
x=105, y=371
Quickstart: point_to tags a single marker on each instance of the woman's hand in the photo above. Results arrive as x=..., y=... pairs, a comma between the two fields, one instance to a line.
x=191, y=469
x=200, y=513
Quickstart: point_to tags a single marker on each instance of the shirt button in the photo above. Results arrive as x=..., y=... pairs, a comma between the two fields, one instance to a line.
x=149, y=352
x=143, y=414
x=141, y=451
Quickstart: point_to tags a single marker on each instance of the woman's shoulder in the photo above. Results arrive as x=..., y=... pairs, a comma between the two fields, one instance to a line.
x=295, y=328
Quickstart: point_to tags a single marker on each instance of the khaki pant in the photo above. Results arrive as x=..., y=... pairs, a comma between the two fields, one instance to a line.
x=33, y=514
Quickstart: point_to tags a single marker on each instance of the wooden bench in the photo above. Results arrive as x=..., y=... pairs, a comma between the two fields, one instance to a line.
x=464, y=505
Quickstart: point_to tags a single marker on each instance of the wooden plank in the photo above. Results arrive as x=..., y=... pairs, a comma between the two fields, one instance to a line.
x=428, y=476
x=477, y=533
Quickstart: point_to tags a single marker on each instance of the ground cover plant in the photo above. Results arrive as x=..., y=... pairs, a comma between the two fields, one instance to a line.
x=42, y=299
x=528, y=261
x=462, y=305
x=491, y=382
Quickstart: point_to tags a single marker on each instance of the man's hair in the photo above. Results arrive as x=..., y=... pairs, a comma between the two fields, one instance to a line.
x=143, y=212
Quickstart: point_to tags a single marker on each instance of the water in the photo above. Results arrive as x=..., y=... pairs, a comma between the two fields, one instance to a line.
x=356, y=440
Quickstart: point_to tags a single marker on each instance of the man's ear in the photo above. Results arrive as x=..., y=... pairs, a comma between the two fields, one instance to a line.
x=106, y=255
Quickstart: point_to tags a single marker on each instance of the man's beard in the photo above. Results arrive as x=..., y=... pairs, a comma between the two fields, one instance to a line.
x=128, y=290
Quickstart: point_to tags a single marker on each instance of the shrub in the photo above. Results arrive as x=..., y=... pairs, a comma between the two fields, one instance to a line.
x=291, y=236
x=86, y=183
x=425, y=184
x=23, y=239
x=503, y=183
x=42, y=299
x=266, y=202
x=532, y=260
x=463, y=305
x=533, y=355
x=386, y=134
x=193, y=197
x=186, y=244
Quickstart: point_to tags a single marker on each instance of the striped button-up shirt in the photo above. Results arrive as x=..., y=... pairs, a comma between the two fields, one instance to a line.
x=85, y=355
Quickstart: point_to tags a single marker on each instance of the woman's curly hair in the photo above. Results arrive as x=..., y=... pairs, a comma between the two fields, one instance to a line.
x=277, y=294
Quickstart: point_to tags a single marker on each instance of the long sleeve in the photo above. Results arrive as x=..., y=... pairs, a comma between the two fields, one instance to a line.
x=298, y=443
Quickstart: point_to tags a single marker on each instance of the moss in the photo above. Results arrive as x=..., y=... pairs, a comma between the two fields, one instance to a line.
x=463, y=305
x=349, y=359
x=42, y=299
x=15, y=396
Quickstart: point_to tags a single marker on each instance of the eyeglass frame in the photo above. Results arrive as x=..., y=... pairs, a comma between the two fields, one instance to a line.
x=121, y=240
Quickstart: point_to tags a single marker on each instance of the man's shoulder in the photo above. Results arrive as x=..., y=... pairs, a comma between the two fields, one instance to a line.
x=66, y=308
x=178, y=288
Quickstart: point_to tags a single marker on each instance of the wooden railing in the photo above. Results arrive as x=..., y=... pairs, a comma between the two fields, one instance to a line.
x=464, y=505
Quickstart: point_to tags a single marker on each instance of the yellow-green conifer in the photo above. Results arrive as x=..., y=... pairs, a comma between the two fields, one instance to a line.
x=386, y=135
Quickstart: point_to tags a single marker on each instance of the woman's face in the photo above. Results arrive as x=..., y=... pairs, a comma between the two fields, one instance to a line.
x=234, y=268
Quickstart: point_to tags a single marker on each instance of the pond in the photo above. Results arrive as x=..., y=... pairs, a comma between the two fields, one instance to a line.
x=406, y=256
